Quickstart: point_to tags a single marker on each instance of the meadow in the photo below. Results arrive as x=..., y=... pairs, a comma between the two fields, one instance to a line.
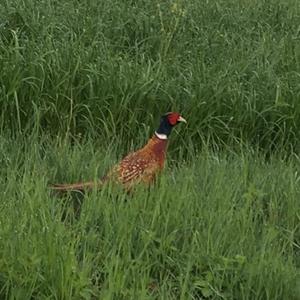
x=84, y=82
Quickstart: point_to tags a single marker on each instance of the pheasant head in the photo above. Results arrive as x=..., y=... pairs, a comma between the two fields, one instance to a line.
x=167, y=122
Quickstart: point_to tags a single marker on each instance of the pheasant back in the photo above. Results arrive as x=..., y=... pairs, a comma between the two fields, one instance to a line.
x=140, y=166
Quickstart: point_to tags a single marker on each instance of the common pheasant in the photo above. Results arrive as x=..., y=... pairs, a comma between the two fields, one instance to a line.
x=141, y=166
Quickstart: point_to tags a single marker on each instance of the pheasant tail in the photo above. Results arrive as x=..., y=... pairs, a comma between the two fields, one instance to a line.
x=81, y=186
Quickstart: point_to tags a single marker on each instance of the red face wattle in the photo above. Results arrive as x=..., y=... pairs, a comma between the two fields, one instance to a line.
x=173, y=118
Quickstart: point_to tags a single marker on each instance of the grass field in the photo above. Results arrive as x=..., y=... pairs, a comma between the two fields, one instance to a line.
x=222, y=226
x=84, y=82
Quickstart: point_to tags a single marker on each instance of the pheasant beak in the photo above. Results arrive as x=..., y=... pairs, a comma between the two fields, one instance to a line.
x=181, y=119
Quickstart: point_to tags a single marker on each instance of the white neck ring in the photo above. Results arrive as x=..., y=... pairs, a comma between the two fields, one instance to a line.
x=161, y=136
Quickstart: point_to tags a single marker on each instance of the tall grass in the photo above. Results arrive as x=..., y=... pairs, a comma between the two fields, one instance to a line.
x=231, y=66
x=222, y=226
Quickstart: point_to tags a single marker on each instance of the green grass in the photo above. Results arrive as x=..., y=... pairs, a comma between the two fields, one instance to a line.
x=84, y=82
x=219, y=226
x=231, y=66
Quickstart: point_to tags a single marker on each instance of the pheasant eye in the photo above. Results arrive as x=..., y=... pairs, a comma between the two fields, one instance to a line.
x=173, y=118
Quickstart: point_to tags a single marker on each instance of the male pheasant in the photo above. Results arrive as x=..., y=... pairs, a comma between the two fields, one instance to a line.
x=137, y=167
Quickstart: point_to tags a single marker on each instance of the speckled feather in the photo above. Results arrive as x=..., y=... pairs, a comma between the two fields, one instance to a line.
x=142, y=165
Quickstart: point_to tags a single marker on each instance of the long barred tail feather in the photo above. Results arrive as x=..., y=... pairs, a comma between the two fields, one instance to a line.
x=81, y=186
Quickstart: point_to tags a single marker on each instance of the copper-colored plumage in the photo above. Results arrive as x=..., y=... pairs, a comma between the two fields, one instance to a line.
x=137, y=167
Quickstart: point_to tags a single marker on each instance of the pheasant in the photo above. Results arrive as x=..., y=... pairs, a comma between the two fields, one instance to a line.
x=137, y=167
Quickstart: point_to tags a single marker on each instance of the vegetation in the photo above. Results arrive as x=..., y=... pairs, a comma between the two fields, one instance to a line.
x=75, y=66
x=84, y=82
x=219, y=226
